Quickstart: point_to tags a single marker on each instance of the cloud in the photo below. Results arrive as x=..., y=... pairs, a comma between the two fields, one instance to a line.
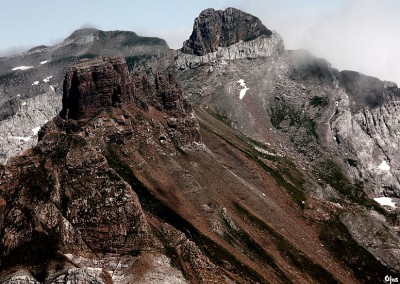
x=88, y=25
x=360, y=35
x=13, y=50
x=363, y=36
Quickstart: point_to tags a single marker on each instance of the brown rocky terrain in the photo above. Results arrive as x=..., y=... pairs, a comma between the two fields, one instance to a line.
x=137, y=190
x=131, y=184
x=341, y=127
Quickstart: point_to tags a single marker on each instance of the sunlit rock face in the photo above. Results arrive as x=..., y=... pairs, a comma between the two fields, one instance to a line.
x=31, y=83
x=216, y=28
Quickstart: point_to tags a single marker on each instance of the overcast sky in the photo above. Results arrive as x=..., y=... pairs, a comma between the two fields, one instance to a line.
x=361, y=35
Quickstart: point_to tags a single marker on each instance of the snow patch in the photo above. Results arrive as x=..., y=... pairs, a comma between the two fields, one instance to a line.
x=35, y=83
x=385, y=201
x=35, y=130
x=21, y=68
x=384, y=166
x=242, y=87
x=47, y=79
x=52, y=88
x=23, y=104
x=43, y=62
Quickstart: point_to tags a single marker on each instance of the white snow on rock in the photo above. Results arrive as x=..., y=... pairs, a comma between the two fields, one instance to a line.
x=43, y=62
x=241, y=82
x=21, y=68
x=52, y=88
x=242, y=87
x=23, y=104
x=35, y=83
x=47, y=79
x=385, y=201
x=384, y=166
x=35, y=130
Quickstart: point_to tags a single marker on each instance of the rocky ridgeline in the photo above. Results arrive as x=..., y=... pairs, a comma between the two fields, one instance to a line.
x=84, y=97
x=39, y=72
x=61, y=203
x=343, y=127
x=227, y=35
x=370, y=131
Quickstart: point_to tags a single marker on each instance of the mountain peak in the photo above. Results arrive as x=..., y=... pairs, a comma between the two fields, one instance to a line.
x=83, y=32
x=217, y=28
x=109, y=82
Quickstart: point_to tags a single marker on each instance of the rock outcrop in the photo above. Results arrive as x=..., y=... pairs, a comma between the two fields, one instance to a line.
x=91, y=87
x=219, y=36
x=95, y=85
x=66, y=196
x=343, y=127
x=31, y=82
x=368, y=116
x=213, y=29
x=262, y=46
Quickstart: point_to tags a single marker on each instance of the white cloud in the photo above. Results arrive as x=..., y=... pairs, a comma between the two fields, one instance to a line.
x=359, y=35
x=363, y=36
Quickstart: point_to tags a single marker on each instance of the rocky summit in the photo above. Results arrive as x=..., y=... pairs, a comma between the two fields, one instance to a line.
x=213, y=29
x=66, y=199
x=231, y=160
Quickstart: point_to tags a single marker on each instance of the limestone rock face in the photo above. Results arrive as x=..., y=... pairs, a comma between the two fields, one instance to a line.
x=219, y=36
x=341, y=126
x=213, y=29
x=18, y=132
x=376, y=128
x=91, y=86
x=263, y=46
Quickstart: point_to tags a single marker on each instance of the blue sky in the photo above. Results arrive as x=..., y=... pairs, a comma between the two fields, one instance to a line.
x=360, y=35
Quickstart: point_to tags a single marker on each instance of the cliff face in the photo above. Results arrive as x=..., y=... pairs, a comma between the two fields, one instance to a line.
x=342, y=127
x=31, y=82
x=213, y=29
x=62, y=202
x=90, y=87
x=220, y=36
x=260, y=47
x=372, y=124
